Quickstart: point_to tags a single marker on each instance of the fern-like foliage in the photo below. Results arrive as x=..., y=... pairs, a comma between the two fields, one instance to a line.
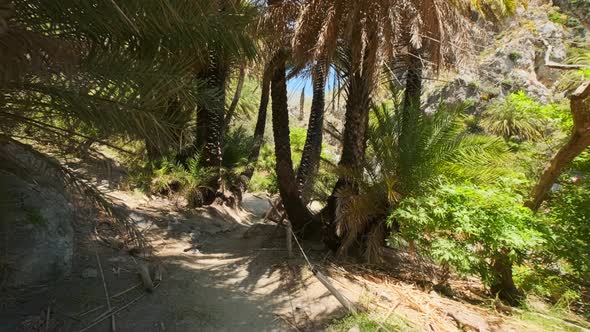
x=409, y=153
x=517, y=116
x=416, y=148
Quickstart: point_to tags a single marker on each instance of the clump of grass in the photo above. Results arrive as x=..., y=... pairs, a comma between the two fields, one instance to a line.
x=367, y=323
x=514, y=56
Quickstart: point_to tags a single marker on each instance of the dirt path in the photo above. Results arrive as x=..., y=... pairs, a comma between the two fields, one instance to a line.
x=236, y=278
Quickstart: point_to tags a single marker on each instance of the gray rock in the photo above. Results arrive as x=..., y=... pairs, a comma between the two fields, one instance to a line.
x=512, y=62
x=355, y=328
x=35, y=221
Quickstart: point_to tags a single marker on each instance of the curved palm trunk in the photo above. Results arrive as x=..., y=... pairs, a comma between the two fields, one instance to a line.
x=234, y=103
x=577, y=143
x=310, y=159
x=260, y=122
x=298, y=213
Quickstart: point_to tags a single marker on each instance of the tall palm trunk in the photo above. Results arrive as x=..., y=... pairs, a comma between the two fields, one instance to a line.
x=211, y=120
x=260, y=122
x=354, y=138
x=413, y=81
x=298, y=213
x=410, y=113
x=301, y=104
x=577, y=143
x=310, y=159
x=236, y=99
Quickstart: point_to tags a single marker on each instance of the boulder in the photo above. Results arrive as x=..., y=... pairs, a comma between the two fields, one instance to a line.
x=37, y=237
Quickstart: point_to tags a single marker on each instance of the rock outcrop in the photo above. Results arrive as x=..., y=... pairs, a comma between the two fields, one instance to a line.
x=513, y=61
x=36, y=233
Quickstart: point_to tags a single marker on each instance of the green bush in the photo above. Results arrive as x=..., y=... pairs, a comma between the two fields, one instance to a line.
x=467, y=227
x=236, y=148
x=514, y=56
x=521, y=117
x=569, y=209
x=546, y=283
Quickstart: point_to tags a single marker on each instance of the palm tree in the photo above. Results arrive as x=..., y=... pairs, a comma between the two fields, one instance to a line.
x=409, y=153
x=301, y=104
x=310, y=158
x=80, y=77
x=371, y=32
x=298, y=213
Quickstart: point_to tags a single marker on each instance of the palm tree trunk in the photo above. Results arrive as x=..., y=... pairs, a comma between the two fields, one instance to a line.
x=260, y=122
x=298, y=213
x=413, y=81
x=234, y=103
x=211, y=118
x=301, y=104
x=577, y=143
x=354, y=138
x=310, y=158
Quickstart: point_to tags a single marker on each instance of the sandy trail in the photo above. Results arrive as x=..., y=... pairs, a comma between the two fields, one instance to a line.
x=239, y=278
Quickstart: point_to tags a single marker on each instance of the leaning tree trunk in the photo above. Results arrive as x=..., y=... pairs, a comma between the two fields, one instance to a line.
x=298, y=213
x=260, y=122
x=236, y=99
x=310, y=158
x=211, y=118
x=577, y=143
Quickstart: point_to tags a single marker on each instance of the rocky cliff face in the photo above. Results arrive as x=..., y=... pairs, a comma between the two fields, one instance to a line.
x=36, y=233
x=514, y=60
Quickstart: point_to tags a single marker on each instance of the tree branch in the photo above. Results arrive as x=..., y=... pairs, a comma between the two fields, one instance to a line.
x=556, y=65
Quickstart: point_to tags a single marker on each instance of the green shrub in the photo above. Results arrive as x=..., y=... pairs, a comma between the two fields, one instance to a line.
x=546, y=283
x=569, y=209
x=521, y=117
x=236, y=148
x=514, y=56
x=557, y=17
x=467, y=227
